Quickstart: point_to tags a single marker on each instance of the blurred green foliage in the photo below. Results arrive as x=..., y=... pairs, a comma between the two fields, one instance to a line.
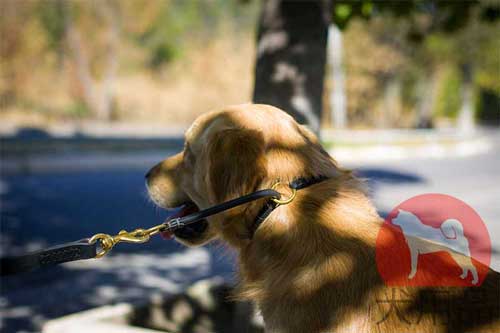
x=449, y=93
x=171, y=24
x=446, y=15
x=175, y=22
x=164, y=37
x=77, y=109
x=52, y=17
x=434, y=38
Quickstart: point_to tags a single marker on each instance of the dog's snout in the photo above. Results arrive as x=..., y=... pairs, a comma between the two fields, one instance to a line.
x=151, y=173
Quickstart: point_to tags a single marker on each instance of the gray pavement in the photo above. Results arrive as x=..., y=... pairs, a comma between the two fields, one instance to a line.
x=474, y=180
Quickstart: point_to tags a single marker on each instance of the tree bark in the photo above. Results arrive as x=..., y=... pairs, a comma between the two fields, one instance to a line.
x=466, y=123
x=291, y=57
x=98, y=99
x=426, y=91
x=109, y=13
x=82, y=66
x=392, y=102
x=338, y=96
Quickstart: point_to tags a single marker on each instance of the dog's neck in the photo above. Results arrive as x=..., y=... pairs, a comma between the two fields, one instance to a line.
x=332, y=209
x=328, y=231
x=270, y=205
x=314, y=254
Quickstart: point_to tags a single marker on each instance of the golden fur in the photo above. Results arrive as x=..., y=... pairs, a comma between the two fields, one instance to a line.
x=310, y=266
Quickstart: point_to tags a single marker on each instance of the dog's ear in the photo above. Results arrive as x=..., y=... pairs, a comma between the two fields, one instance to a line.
x=237, y=163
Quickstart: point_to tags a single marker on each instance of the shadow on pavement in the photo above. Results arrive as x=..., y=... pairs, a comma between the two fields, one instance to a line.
x=384, y=175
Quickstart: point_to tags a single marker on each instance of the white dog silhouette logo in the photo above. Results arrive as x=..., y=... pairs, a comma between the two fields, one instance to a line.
x=422, y=239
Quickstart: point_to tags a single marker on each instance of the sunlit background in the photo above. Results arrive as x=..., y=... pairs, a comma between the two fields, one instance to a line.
x=165, y=62
x=93, y=93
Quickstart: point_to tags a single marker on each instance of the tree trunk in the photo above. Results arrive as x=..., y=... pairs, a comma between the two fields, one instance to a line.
x=291, y=56
x=98, y=99
x=110, y=15
x=82, y=67
x=390, y=107
x=338, y=93
x=466, y=114
x=426, y=91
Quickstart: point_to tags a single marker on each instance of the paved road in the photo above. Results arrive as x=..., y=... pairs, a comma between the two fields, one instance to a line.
x=474, y=180
x=48, y=208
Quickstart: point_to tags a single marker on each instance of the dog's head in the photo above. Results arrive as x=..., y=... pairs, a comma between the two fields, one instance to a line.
x=231, y=153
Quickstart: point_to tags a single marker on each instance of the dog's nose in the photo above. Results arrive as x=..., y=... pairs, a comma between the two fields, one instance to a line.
x=147, y=174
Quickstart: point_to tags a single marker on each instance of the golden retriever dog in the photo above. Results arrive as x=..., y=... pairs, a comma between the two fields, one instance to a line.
x=311, y=265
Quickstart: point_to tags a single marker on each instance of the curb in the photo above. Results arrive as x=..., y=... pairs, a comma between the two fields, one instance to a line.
x=106, y=319
x=205, y=302
x=437, y=150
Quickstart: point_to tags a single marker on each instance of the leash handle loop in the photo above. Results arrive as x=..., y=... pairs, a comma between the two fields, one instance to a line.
x=78, y=250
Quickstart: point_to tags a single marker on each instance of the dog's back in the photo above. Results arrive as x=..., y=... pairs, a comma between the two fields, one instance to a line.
x=320, y=275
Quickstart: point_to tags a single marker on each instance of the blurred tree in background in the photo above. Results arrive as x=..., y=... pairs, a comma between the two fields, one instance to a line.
x=426, y=47
x=291, y=57
x=407, y=64
x=290, y=42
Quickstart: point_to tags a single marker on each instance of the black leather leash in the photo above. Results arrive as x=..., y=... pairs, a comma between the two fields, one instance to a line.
x=58, y=254
x=100, y=244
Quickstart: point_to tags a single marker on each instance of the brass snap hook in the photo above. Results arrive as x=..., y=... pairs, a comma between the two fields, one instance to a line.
x=287, y=200
x=137, y=236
